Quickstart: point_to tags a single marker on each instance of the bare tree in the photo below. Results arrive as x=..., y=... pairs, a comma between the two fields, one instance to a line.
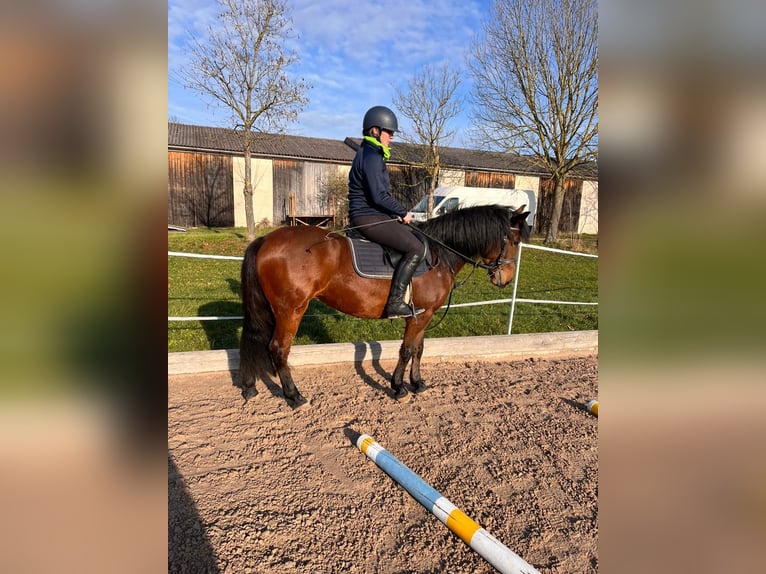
x=334, y=191
x=243, y=64
x=536, y=77
x=430, y=102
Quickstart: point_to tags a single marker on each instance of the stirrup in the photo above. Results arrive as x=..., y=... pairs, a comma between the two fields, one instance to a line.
x=400, y=313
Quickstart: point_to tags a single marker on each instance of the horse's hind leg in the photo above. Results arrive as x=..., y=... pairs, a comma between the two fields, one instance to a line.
x=247, y=364
x=292, y=394
x=279, y=347
x=254, y=360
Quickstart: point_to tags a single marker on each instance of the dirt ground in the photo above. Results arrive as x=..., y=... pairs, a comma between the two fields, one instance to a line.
x=257, y=488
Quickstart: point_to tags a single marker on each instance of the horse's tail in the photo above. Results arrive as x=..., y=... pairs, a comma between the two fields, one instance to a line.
x=258, y=326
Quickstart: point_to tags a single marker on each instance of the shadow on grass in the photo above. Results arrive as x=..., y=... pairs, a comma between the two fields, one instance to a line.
x=223, y=333
x=313, y=324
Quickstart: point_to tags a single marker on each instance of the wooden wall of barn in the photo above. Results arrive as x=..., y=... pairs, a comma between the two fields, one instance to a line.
x=570, y=211
x=306, y=181
x=200, y=189
x=490, y=179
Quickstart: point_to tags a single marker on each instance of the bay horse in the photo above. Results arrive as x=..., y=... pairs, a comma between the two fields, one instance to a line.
x=288, y=267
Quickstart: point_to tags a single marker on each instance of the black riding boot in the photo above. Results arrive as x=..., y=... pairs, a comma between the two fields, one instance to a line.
x=396, y=307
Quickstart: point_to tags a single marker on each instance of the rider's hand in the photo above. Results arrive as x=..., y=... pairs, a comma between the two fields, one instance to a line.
x=406, y=219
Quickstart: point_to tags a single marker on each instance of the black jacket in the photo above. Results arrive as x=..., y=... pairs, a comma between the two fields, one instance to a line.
x=369, y=186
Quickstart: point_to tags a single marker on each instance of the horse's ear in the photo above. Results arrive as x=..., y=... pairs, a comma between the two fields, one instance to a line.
x=524, y=228
x=520, y=212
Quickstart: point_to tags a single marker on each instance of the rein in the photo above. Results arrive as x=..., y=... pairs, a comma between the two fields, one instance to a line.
x=433, y=326
x=373, y=224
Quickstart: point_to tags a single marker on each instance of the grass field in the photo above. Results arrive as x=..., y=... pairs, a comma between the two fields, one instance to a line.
x=207, y=287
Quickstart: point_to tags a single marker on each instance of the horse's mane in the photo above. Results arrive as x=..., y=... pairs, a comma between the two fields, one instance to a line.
x=471, y=230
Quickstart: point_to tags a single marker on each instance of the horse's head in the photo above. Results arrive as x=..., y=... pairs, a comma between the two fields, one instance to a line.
x=501, y=264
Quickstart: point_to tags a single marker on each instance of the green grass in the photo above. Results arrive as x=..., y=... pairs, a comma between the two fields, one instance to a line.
x=208, y=287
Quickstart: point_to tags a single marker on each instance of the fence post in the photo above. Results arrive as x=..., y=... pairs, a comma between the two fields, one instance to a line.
x=515, y=285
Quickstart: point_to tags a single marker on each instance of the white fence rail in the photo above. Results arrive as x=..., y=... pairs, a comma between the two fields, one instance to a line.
x=513, y=300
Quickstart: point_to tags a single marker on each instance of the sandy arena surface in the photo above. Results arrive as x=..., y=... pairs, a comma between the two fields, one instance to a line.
x=257, y=488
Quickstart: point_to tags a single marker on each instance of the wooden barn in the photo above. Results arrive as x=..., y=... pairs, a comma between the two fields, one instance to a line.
x=290, y=175
x=298, y=179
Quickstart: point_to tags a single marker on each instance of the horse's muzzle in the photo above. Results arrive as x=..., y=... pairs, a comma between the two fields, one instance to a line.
x=496, y=277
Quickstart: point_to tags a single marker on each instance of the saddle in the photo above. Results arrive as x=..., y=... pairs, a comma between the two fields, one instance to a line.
x=374, y=261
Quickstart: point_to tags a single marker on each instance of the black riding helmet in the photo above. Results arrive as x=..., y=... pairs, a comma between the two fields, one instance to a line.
x=381, y=117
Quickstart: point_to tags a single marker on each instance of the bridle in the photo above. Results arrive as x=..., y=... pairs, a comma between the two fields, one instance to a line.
x=493, y=267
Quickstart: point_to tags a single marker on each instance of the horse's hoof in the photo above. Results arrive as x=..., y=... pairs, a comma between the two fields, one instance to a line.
x=299, y=404
x=419, y=387
x=249, y=392
x=402, y=395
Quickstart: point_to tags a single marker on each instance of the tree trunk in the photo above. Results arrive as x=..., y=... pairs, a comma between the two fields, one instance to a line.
x=431, y=189
x=248, y=193
x=558, y=203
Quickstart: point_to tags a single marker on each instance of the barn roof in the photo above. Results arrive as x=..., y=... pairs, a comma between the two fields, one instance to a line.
x=211, y=139
x=467, y=159
x=481, y=160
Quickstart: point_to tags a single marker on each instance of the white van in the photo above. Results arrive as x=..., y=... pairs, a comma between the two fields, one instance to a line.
x=448, y=199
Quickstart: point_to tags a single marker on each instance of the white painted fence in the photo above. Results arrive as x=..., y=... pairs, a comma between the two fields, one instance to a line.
x=513, y=300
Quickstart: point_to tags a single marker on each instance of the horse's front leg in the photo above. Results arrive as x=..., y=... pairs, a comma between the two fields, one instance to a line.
x=411, y=349
x=397, y=380
x=418, y=386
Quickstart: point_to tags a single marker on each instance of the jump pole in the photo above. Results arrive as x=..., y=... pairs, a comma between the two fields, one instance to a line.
x=481, y=541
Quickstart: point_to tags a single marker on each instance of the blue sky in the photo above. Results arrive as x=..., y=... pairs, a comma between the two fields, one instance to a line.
x=354, y=54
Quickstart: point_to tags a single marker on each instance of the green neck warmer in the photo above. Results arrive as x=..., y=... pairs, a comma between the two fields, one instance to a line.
x=386, y=150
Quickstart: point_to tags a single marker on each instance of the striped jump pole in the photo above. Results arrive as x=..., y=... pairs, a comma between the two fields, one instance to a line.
x=488, y=547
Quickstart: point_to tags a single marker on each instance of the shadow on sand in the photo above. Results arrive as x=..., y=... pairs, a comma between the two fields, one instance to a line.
x=189, y=547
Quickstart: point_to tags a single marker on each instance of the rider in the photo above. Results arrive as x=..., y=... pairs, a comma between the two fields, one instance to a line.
x=372, y=209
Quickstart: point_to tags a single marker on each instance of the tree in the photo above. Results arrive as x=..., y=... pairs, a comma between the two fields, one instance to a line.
x=536, y=85
x=334, y=191
x=243, y=64
x=430, y=102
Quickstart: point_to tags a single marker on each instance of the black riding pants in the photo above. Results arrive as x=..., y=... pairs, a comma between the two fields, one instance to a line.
x=389, y=232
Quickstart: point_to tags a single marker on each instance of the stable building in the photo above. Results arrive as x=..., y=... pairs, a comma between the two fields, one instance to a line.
x=297, y=179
